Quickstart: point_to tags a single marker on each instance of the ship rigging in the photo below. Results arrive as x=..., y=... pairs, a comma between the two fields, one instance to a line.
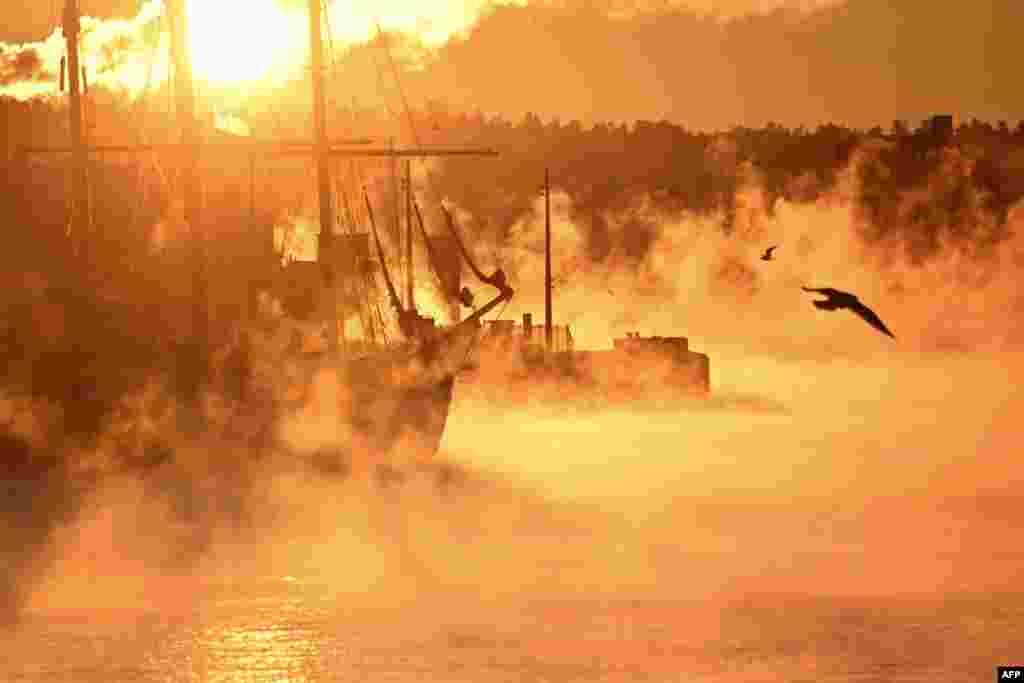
x=394, y=389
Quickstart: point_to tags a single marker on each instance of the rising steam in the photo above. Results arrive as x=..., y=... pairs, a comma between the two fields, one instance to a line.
x=949, y=283
x=808, y=405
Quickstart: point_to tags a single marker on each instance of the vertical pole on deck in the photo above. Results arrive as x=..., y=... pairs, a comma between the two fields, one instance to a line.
x=185, y=106
x=79, y=233
x=548, y=327
x=410, y=301
x=325, y=244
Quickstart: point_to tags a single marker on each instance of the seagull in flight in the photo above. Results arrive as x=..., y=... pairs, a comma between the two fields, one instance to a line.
x=767, y=255
x=838, y=300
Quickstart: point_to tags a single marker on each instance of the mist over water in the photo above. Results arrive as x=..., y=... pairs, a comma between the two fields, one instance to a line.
x=843, y=505
x=857, y=518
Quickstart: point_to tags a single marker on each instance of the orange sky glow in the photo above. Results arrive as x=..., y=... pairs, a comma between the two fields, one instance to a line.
x=272, y=48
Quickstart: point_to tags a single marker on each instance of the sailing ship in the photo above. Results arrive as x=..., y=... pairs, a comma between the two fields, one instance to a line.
x=395, y=395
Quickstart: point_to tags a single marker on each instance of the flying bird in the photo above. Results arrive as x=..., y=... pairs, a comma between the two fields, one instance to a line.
x=838, y=300
x=767, y=255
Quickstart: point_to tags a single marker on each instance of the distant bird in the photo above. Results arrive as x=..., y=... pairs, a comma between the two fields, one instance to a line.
x=767, y=255
x=837, y=300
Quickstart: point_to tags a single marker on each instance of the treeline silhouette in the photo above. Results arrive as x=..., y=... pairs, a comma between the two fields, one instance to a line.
x=604, y=168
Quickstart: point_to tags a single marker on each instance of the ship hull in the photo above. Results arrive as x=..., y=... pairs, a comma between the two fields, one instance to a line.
x=611, y=376
x=400, y=422
x=391, y=409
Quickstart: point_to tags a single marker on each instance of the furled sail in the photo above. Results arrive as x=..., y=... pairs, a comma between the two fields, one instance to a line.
x=497, y=280
x=449, y=284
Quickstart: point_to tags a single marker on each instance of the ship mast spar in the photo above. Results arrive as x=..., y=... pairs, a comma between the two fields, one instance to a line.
x=188, y=125
x=79, y=159
x=548, y=329
x=325, y=244
x=410, y=302
x=189, y=148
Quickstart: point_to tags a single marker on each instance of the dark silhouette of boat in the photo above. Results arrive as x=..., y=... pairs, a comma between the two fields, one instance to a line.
x=635, y=366
x=394, y=394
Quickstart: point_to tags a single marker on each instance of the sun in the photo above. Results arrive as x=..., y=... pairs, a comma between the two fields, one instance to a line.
x=245, y=41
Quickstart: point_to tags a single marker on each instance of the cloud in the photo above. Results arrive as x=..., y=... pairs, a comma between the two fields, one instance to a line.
x=795, y=67
x=20, y=64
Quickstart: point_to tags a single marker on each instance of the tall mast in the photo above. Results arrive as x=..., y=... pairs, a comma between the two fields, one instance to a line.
x=325, y=243
x=548, y=330
x=396, y=199
x=188, y=125
x=79, y=160
x=410, y=303
x=253, y=303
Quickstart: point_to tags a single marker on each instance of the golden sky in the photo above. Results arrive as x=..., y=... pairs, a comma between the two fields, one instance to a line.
x=797, y=62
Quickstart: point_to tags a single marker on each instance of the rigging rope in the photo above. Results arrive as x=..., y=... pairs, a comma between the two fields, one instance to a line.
x=405, y=318
x=479, y=336
x=380, y=74
x=350, y=209
x=496, y=280
x=463, y=296
x=392, y=294
x=432, y=257
x=69, y=197
x=141, y=113
x=398, y=84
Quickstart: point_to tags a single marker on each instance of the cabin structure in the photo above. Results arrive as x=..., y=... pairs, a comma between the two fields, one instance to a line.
x=527, y=337
x=641, y=365
x=685, y=368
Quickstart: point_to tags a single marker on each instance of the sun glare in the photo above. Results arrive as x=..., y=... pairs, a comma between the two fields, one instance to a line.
x=244, y=41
